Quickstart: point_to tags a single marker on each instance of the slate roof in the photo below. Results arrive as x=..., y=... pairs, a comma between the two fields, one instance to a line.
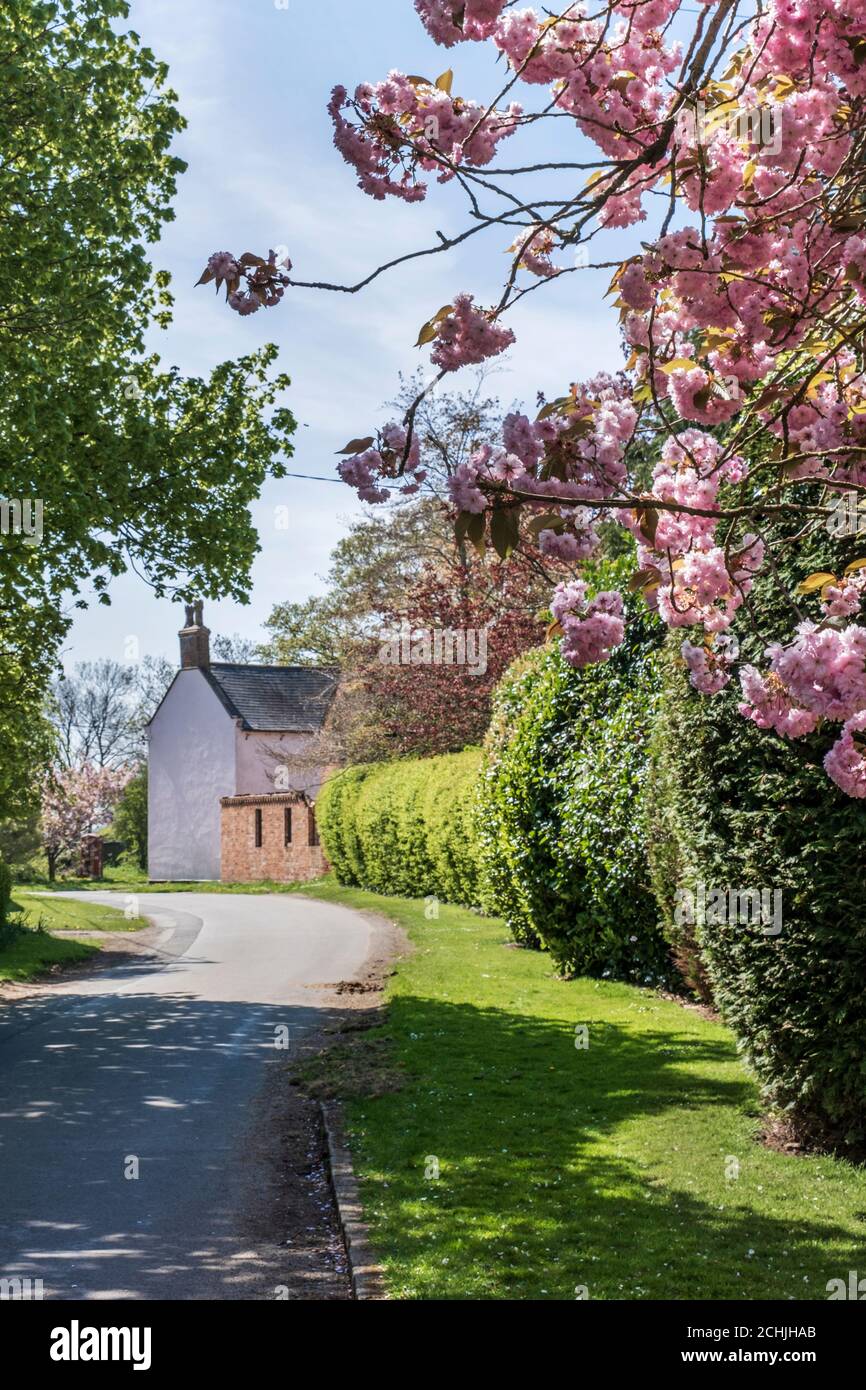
x=277, y=699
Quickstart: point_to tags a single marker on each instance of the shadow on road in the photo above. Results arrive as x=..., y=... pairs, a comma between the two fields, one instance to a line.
x=153, y=1146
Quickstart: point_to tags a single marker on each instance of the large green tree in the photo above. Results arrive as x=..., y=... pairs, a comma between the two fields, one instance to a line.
x=134, y=464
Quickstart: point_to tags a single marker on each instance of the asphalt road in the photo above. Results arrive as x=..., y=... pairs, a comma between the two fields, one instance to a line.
x=146, y=1113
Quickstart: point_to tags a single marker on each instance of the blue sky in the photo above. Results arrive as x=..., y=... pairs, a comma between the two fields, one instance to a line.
x=253, y=79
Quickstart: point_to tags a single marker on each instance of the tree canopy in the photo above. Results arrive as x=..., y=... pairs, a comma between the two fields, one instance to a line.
x=133, y=464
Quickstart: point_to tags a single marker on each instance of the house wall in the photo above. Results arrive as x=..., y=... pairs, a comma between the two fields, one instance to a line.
x=192, y=765
x=245, y=862
x=259, y=753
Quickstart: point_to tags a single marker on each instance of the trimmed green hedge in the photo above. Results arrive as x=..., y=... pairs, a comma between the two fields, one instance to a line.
x=560, y=823
x=502, y=799
x=405, y=828
x=735, y=807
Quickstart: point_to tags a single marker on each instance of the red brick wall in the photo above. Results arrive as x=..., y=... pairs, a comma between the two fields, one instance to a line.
x=245, y=862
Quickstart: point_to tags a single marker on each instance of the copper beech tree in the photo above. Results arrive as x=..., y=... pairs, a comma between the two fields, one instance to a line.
x=733, y=134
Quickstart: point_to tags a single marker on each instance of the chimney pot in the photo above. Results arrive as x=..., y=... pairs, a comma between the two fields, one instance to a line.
x=194, y=639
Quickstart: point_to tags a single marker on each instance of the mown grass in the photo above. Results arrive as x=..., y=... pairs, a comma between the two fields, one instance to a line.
x=28, y=954
x=632, y=1169
x=66, y=914
x=31, y=951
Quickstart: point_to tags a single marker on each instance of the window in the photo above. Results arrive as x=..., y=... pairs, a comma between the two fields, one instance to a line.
x=258, y=816
x=287, y=825
x=314, y=829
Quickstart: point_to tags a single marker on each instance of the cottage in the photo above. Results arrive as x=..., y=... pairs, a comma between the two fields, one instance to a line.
x=236, y=757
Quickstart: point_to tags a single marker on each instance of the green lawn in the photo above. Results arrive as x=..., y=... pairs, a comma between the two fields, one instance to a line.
x=64, y=914
x=610, y=1168
x=34, y=952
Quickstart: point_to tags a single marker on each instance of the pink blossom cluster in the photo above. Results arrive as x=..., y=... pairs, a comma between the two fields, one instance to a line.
x=366, y=470
x=706, y=587
x=845, y=762
x=820, y=675
x=699, y=582
x=709, y=665
x=575, y=537
x=251, y=281
x=824, y=669
x=609, y=72
x=844, y=599
x=404, y=124
x=591, y=629
x=467, y=336
x=766, y=701
x=453, y=21
x=536, y=250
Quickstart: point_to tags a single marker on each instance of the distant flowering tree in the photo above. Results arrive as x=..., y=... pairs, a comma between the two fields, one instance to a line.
x=77, y=802
x=737, y=132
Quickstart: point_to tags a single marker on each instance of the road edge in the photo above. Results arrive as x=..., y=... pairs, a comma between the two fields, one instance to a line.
x=366, y=1275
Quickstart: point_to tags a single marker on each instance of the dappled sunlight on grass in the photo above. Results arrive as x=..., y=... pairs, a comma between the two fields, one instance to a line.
x=632, y=1167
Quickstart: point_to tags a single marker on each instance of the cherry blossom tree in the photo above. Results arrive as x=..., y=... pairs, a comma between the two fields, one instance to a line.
x=735, y=132
x=77, y=802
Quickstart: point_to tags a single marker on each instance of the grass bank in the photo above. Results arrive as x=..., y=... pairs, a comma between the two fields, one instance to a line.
x=65, y=914
x=631, y=1168
x=33, y=951
x=28, y=954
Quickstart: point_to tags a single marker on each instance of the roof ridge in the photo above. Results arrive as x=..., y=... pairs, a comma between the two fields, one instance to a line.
x=258, y=666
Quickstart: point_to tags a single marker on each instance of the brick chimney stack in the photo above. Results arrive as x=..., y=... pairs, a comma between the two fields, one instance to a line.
x=194, y=639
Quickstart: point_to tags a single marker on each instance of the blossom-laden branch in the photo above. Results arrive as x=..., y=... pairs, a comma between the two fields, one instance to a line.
x=744, y=313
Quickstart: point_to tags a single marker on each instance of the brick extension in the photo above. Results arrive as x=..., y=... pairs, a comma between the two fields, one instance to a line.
x=243, y=861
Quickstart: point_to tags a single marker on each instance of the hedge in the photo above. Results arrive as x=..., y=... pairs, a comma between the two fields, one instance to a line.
x=502, y=801
x=738, y=808
x=5, y=894
x=560, y=819
x=405, y=828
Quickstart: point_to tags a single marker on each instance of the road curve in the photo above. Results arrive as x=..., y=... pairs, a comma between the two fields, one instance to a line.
x=143, y=1109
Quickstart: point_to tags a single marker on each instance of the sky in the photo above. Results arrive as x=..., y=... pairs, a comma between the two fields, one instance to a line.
x=253, y=78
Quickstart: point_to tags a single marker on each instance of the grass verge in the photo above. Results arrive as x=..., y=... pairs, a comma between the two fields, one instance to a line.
x=66, y=914
x=26, y=954
x=30, y=953
x=629, y=1169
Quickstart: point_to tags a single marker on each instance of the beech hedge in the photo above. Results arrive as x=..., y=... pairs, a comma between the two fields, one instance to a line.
x=405, y=828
